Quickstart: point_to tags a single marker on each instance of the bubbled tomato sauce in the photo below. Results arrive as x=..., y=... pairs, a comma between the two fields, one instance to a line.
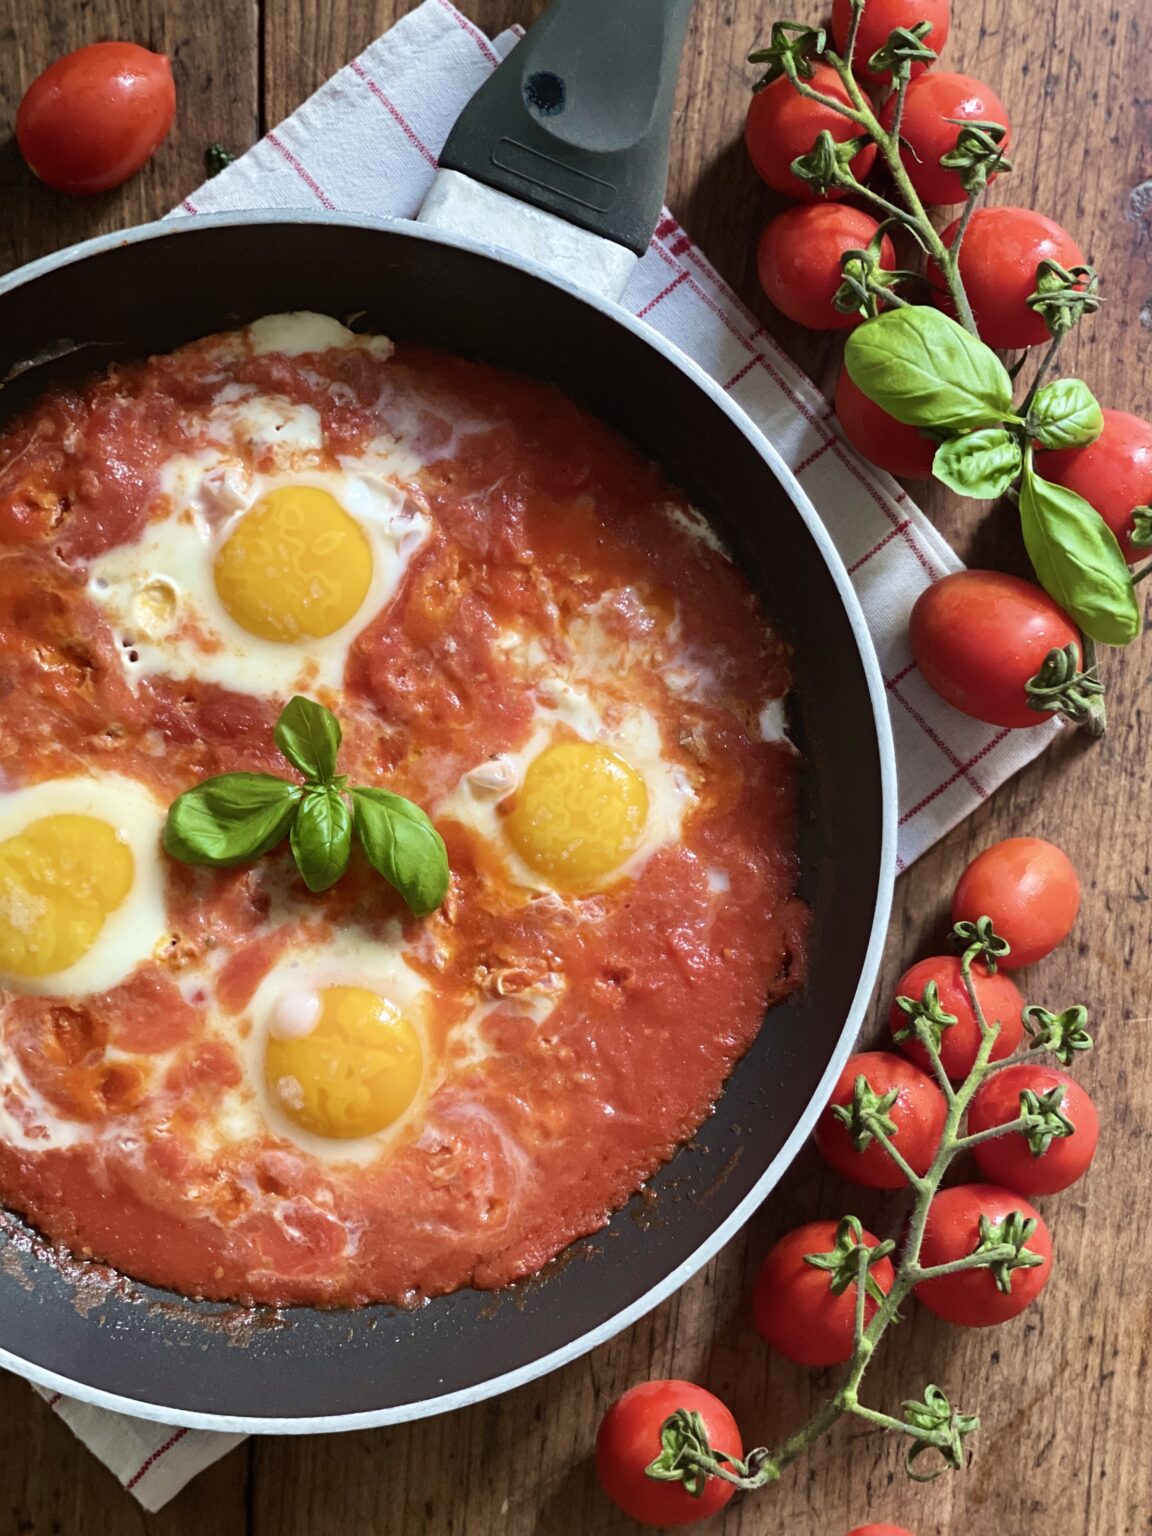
x=608, y=1022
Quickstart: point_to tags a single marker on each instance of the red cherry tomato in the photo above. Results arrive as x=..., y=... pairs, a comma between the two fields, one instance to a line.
x=794, y=1305
x=629, y=1440
x=1030, y=891
x=879, y=21
x=998, y=262
x=979, y=636
x=1010, y=1160
x=927, y=134
x=972, y=1297
x=881, y=1530
x=1114, y=473
x=880, y=438
x=999, y=997
x=799, y=261
x=94, y=117
x=918, y=1114
x=782, y=125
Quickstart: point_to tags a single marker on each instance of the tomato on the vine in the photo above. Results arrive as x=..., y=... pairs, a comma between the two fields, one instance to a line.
x=1030, y=890
x=880, y=19
x=916, y=1119
x=782, y=125
x=927, y=131
x=978, y=1298
x=1040, y=1166
x=979, y=636
x=798, y=260
x=880, y=438
x=998, y=996
x=795, y=1304
x=629, y=1441
x=1113, y=474
x=998, y=260
x=95, y=116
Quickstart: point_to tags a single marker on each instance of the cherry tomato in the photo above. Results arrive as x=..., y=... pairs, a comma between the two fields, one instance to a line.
x=918, y=1115
x=799, y=261
x=1114, y=473
x=999, y=997
x=879, y=21
x=1030, y=891
x=881, y=1530
x=880, y=438
x=794, y=1305
x=927, y=134
x=94, y=117
x=979, y=636
x=1010, y=1160
x=629, y=1440
x=972, y=1297
x=782, y=125
x=998, y=262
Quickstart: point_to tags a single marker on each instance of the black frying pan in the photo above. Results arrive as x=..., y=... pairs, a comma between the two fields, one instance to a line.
x=159, y=1356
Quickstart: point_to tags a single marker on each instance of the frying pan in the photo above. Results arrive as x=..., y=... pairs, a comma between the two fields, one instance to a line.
x=160, y=1356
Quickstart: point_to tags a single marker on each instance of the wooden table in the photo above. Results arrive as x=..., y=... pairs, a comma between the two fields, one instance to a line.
x=1065, y=1392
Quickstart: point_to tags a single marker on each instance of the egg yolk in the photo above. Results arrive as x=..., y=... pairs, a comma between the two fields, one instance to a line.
x=354, y=1073
x=296, y=566
x=60, y=878
x=579, y=814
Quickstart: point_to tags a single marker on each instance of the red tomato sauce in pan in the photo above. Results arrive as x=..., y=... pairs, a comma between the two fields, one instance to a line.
x=572, y=1039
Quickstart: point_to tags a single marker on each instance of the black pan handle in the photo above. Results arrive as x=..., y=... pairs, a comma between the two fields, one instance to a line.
x=577, y=118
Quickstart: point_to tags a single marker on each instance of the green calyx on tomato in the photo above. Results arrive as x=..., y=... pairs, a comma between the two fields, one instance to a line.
x=1046, y=1117
x=791, y=50
x=978, y=153
x=1003, y=1245
x=1062, y=1035
x=925, y=1016
x=905, y=48
x=1064, y=295
x=866, y=1118
x=844, y=1260
x=978, y=940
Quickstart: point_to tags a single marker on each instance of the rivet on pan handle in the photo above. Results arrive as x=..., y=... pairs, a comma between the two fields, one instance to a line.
x=577, y=119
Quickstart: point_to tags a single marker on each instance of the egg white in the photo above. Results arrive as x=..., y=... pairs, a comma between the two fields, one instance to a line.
x=139, y=926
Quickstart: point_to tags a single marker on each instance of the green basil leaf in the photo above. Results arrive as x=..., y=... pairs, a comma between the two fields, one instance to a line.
x=322, y=837
x=309, y=737
x=230, y=819
x=921, y=367
x=1065, y=414
x=404, y=846
x=1078, y=561
x=983, y=463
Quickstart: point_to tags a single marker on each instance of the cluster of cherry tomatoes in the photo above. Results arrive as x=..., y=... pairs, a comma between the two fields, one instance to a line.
x=1030, y=891
x=978, y=637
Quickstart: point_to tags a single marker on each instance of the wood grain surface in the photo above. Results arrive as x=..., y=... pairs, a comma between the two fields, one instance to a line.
x=1066, y=1391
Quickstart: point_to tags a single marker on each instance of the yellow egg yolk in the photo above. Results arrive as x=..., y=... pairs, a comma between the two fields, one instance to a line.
x=354, y=1073
x=60, y=878
x=296, y=566
x=579, y=814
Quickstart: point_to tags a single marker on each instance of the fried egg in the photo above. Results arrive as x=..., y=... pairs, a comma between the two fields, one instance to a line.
x=584, y=802
x=81, y=884
x=338, y=1053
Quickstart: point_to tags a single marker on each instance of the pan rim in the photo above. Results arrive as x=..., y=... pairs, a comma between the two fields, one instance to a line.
x=497, y=1385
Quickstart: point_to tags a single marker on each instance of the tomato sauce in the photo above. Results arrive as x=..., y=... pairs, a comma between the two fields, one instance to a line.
x=607, y=1024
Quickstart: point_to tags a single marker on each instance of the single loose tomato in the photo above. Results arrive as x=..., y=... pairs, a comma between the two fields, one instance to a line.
x=998, y=995
x=1113, y=474
x=805, y=1311
x=798, y=260
x=998, y=262
x=1030, y=891
x=629, y=1440
x=927, y=134
x=1036, y=1164
x=880, y=438
x=879, y=21
x=979, y=636
x=782, y=125
x=970, y=1216
x=94, y=117
x=914, y=1120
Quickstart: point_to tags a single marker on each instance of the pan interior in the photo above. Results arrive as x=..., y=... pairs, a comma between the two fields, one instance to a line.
x=203, y=1363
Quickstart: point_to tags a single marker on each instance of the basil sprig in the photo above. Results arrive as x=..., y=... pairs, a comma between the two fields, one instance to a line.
x=236, y=817
x=928, y=372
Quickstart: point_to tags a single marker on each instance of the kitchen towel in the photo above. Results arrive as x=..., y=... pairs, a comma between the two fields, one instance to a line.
x=366, y=143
